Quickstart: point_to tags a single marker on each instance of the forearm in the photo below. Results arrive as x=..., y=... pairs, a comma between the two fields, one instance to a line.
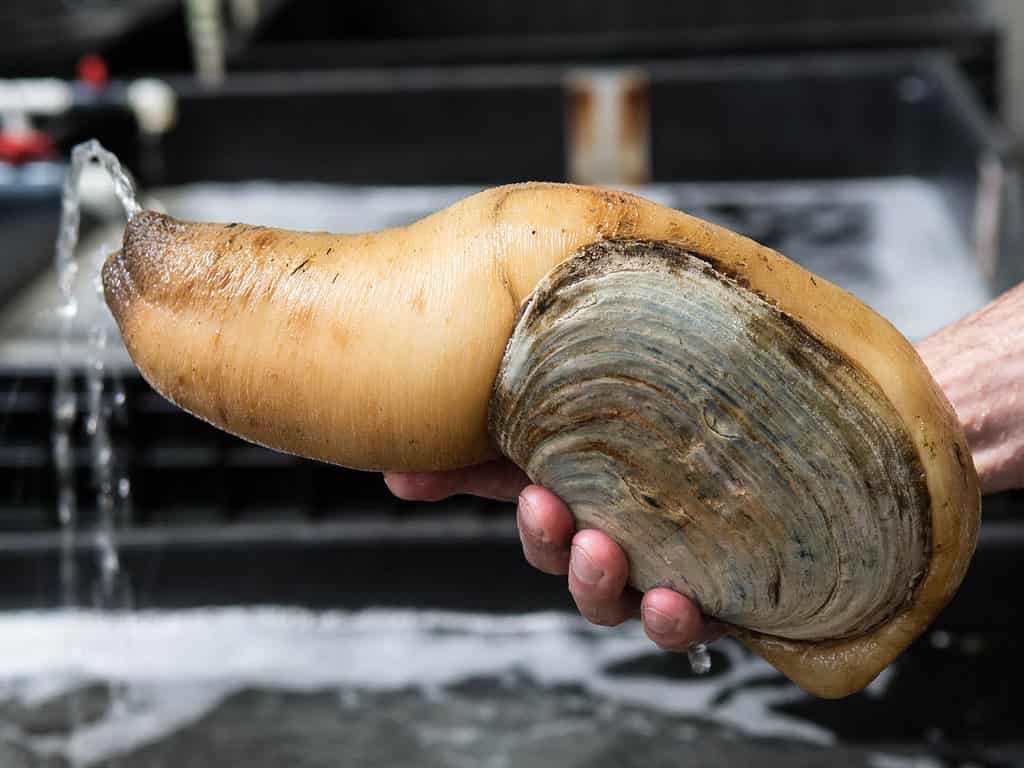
x=979, y=363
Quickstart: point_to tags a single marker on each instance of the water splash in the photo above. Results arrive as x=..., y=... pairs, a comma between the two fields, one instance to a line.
x=700, y=659
x=65, y=398
x=110, y=592
x=124, y=189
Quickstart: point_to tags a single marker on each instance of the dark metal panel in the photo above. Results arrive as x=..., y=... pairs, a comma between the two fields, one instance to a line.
x=483, y=135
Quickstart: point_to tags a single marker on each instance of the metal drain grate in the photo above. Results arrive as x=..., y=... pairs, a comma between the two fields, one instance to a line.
x=183, y=472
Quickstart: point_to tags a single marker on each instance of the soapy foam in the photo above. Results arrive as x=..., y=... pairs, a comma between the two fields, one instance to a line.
x=177, y=666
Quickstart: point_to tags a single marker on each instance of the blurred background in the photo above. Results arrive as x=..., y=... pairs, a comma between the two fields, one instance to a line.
x=221, y=604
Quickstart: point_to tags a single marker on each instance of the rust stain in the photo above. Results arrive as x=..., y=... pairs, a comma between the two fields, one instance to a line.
x=635, y=131
x=636, y=115
x=579, y=105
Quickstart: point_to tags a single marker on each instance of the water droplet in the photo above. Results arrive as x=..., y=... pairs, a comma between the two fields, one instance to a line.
x=941, y=639
x=65, y=400
x=700, y=659
x=68, y=310
x=65, y=407
x=109, y=560
x=65, y=511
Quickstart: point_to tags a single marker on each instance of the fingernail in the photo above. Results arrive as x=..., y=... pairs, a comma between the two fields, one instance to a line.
x=527, y=520
x=657, y=622
x=583, y=568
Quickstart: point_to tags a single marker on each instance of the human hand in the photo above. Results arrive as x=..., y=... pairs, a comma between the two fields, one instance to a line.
x=978, y=363
x=596, y=566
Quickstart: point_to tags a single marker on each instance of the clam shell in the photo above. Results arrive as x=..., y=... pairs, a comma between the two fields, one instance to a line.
x=735, y=457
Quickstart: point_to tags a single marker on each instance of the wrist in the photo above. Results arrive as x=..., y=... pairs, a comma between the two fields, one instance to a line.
x=978, y=363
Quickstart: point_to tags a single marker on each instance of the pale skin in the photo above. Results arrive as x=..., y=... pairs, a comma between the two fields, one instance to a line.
x=979, y=364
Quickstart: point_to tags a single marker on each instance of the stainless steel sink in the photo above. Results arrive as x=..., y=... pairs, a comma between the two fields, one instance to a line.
x=880, y=172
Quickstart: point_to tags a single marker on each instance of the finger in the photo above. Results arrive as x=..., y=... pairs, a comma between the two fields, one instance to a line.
x=674, y=622
x=500, y=479
x=597, y=579
x=545, y=528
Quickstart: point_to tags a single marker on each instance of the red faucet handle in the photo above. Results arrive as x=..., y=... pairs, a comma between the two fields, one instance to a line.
x=92, y=70
x=23, y=146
